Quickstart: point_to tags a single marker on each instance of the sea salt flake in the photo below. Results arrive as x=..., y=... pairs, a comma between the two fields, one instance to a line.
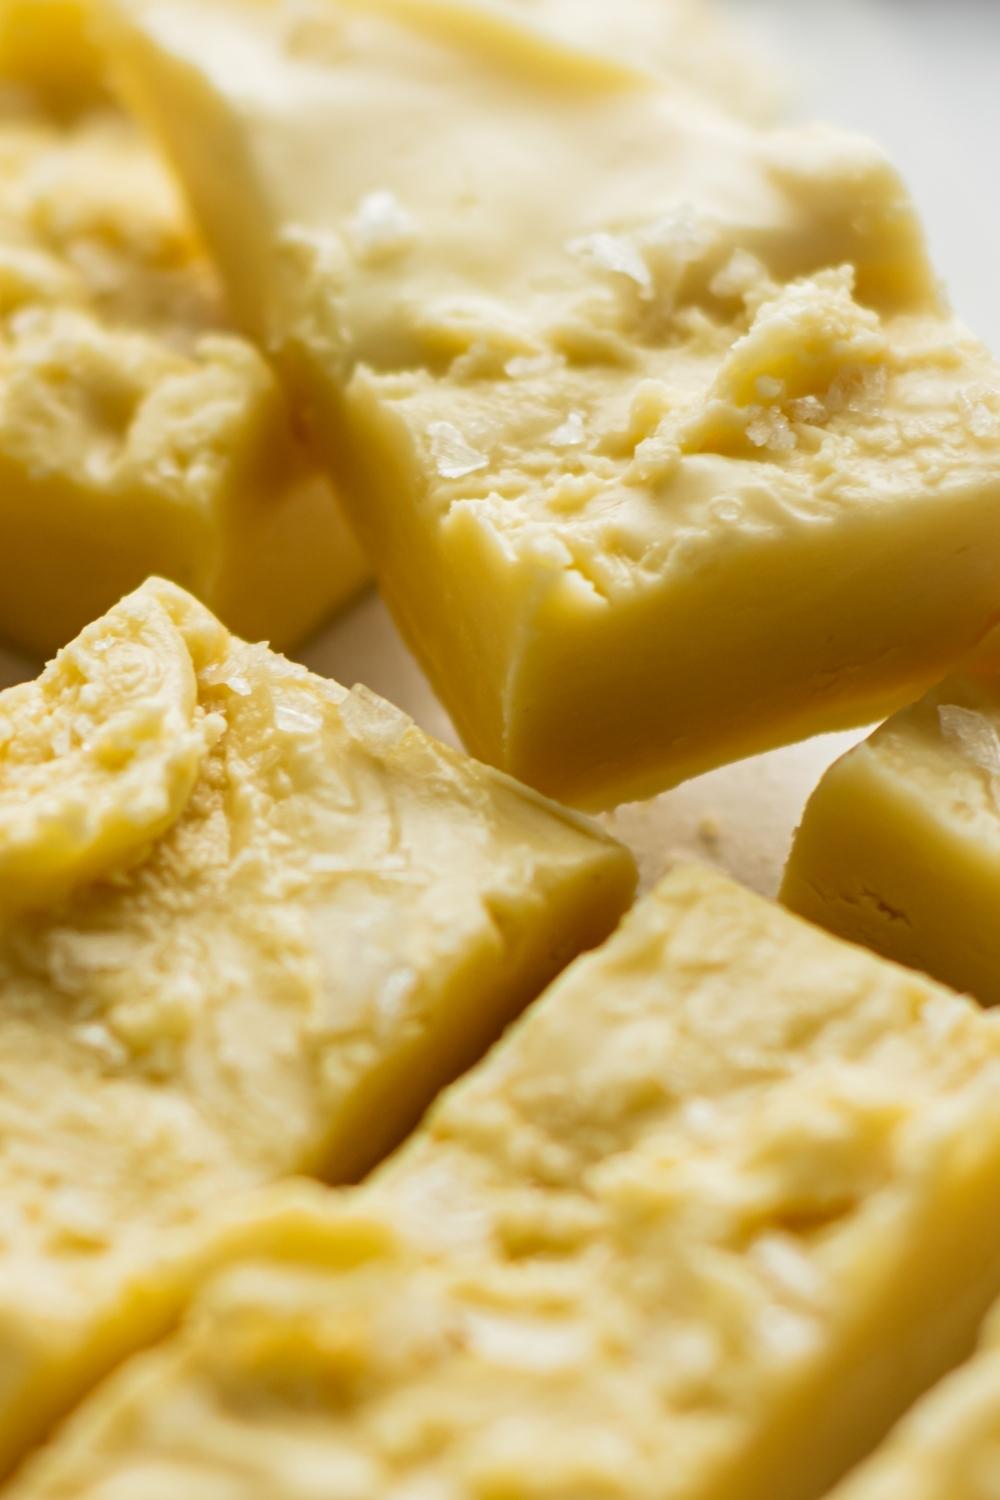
x=613, y=252
x=742, y=274
x=453, y=456
x=527, y=1344
x=528, y=364
x=809, y=409
x=982, y=418
x=694, y=1351
x=770, y=428
x=942, y=1015
x=655, y=458
x=394, y=996
x=727, y=510
x=973, y=734
x=569, y=434
x=787, y=1265
x=98, y=1039
x=857, y=389
x=381, y=228
x=869, y=388
x=787, y=1334
x=769, y=388
x=376, y=725
x=982, y=422
x=296, y=720
x=679, y=230
x=699, y=1115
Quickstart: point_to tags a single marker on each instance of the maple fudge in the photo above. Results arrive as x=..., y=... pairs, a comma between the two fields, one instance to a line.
x=250, y=923
x=705, y=1221
x=138, y=433
x=659, y=437
x=899, y=845
x=948, y=1447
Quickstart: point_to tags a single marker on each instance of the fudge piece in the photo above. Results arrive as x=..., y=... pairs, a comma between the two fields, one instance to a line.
x=250, y=923
x=138, y=433
x=654, y=427
x=713, y=1213
x=948, y=1447
x=899, y=845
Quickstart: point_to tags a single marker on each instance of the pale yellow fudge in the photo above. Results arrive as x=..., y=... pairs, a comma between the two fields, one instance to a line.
x=654, y=426
x=249, y=923
x=948, y=1448
x=706, y=1221
x=899, y=845
x=138, y=432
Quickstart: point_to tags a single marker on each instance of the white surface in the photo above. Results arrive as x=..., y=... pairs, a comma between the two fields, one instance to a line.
x=922, y=76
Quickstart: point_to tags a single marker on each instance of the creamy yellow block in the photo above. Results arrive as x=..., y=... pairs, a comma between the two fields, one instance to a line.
x=947, y=1448
x=899, y=845
x=249, y=923
x=699, y=1228
x=654, y=426
x=138, y=433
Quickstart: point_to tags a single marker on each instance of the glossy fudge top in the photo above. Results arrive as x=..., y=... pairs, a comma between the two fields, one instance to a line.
x=705, y=331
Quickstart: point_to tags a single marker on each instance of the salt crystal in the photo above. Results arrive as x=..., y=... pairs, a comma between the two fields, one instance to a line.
x=381, y=228
x=296, y=720
x=786, y=1334
x=739, y=276
x=612, y=252
x=570, y=434
x=868, y=388
x=973, y=734
x=656, y=458
x=809, y=409
x=394, y=995
x=526, y=1344
x=787, y=1265
x=75, y=1219
x=97, y=1038
x=982, y=419
x=694, y=1351
x=679, y=230
x=982, y=422
x=453, y=457
x=528, y=364
x=769, y=388
x=941, y=1015
x=770, y=429
x=726, y=510
x=376, y=725
x=856, y=389
x=699, y=1115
